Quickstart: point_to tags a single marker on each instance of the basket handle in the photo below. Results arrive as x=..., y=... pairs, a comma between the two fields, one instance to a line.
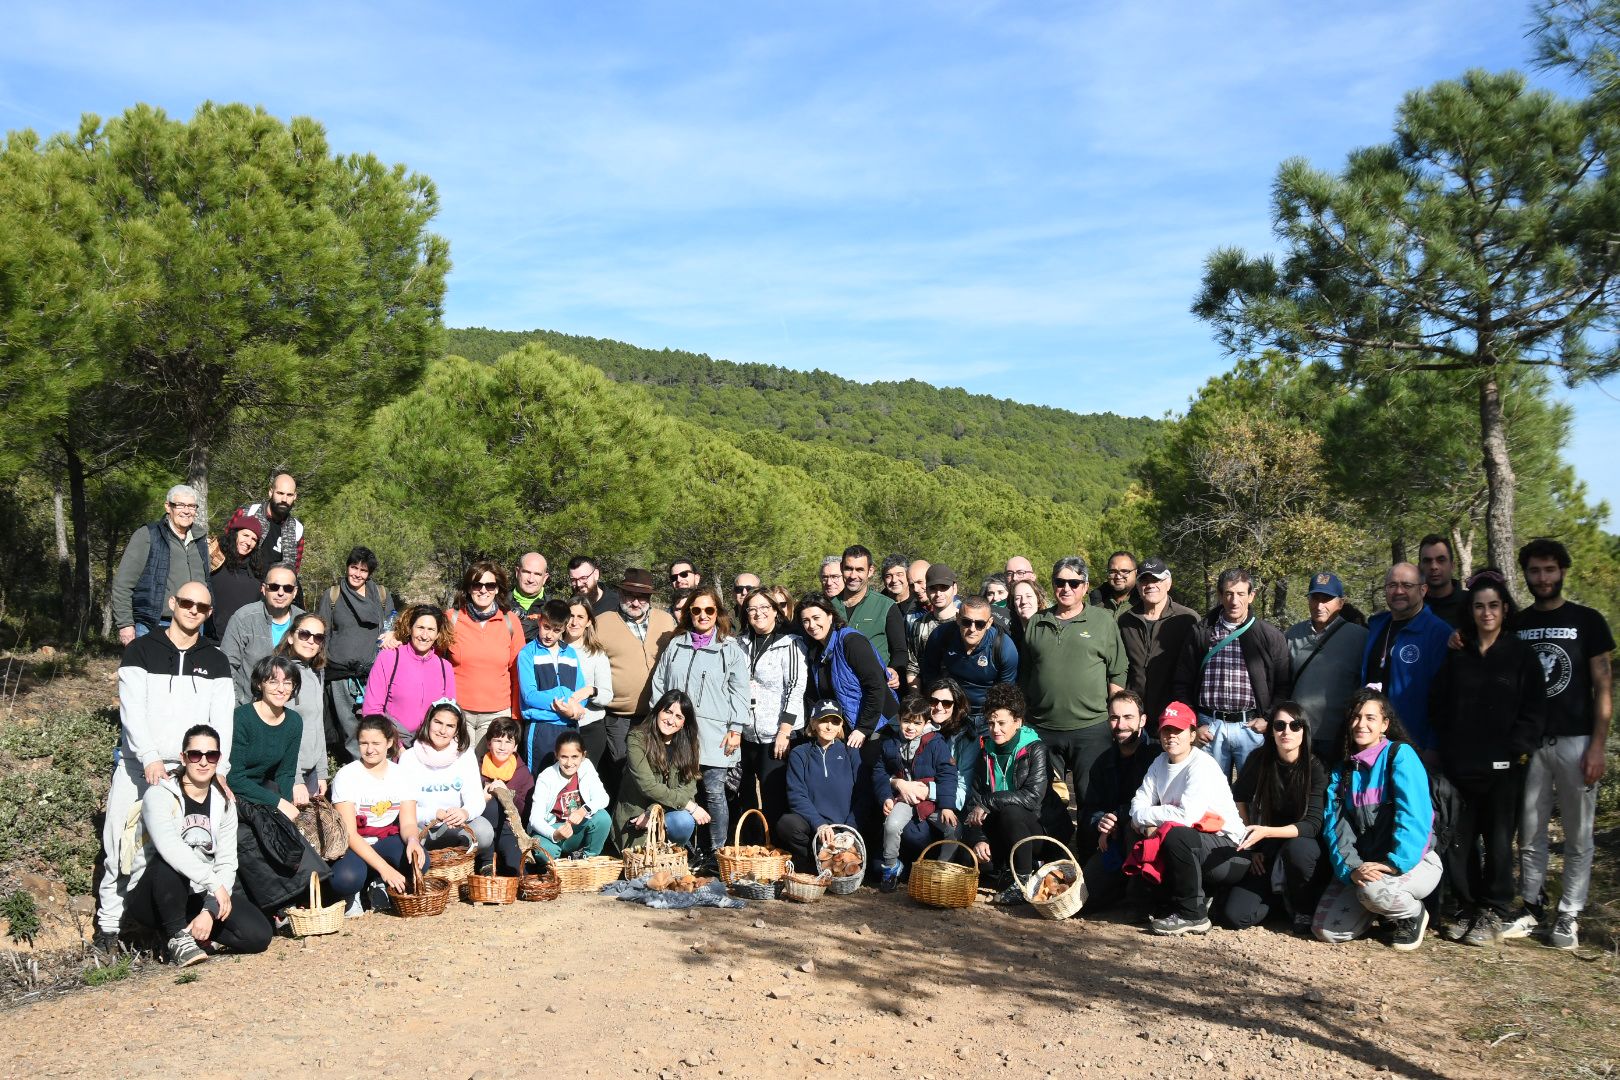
x=1019, y=881
x=736, y=838
x=655, y=826
x=860, y=841
x=472, y=838
x=974, y=855
x=416, y=879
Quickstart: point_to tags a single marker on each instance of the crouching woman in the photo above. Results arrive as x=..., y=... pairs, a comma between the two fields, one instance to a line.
x=377, y=800
x=1377, y=824
x=187, y=888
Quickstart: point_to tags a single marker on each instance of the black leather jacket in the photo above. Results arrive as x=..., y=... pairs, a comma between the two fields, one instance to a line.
x=1031, y=776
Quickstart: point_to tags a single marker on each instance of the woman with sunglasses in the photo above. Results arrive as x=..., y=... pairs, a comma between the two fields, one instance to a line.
x=776, y=677
x=711, y=668
x=1487, y=706
x=948, y=710
x=409, y=677
x=487, y=638
x=1279, y=793
x=184, y=883
x=305, y=646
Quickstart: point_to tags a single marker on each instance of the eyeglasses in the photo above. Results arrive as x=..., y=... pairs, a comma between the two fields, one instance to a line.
x=1288, y=725
x=309, y=635
x=973, y=624
x=210, y=756
x=1068, y=583
x=280, y=588
x=182, y=506
x=484, y=586
x=942, y=703
x=277, y=681
x=1403, y=586
x=676, y=575
x=701, y=610
x=760, y=609
x=1121, y=573
x=201, y=607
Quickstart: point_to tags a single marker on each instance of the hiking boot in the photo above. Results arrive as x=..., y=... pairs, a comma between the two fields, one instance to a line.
x=1522, y=922
x=1487, y=929
x=1408, y=933
x=1565, y=931
x=1174, y=925
x=1456, y=927
x=184, y=951
x=1009, y=896
x=106, y=941
x=1302, y=924
x=890, y=879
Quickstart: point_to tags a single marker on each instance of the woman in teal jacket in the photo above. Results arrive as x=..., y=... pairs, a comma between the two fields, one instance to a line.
x=1378, y=825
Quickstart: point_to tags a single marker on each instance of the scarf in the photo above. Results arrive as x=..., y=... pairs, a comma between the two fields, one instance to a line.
x=435, y=759
x=503, y=773
x=702, y=641
x=999, y=759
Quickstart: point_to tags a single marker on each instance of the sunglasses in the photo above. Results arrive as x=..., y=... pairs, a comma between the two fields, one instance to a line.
x=483, y=586
x=309, y=635
x=1068, y=582
x=201, y=607
x=941, y=703
x=702, y=610
x=210, y=756
x=280, y=588
x=1288, y=725
x=973, y=624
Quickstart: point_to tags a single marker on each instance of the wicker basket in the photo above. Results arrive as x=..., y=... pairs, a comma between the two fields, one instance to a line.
x=1065, y=903
x=943, y=884
x=454, y=865
x=764, y=869
x=848, y=883
x=428, y=896
x=315, y=919
x=749, y=889
x=657, y=853
x=542, y=886
x=489, y=888
x=804, y=888
x=587, y=875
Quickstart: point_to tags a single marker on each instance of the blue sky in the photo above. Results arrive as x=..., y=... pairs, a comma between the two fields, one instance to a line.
x=1012, y=197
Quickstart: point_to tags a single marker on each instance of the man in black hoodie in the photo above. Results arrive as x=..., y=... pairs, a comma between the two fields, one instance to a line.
x=1105, y=818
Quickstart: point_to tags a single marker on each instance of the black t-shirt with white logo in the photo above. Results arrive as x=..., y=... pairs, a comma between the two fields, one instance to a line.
x=1565, y=640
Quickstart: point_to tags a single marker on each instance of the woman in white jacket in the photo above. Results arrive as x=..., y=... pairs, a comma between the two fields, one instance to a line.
x=186, y=883
x=777, y=666
x=444, y=773
x=1185, y=795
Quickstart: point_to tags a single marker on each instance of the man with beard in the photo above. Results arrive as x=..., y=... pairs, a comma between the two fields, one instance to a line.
x=939, y=606
x=1103, y=831
x=871, y=613
x=1114, y=595
x=1573, y=643
x=283, y=541
x=972, y=651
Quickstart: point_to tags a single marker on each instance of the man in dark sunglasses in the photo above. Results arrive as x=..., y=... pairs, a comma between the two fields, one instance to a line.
x=972, y=650
x=167, y=682
x=255, y=630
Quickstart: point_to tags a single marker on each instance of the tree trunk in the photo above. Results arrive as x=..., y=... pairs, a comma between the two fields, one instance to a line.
x=79, y=505
x=1499, y=482
x=197, y=477
x=1462, y=547
x=64, y=558
x=1397, y=548
x=1279, y=599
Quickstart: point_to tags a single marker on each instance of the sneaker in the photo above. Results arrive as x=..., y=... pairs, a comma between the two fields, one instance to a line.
x=1174, y=924
x=1522, y=922
x=355, y=908
x=1487, y=929
x=1302, y=925
x=1009, y=896
x=1408, y=933
x=1565, y=931
x=106, y=941
x=1456, y=927
x=183, y=951
x=891, y=878
x=377, y=897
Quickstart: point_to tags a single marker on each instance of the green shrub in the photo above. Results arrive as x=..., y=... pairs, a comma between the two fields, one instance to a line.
x=20, y=911
x=113, y=972
x=53, y=778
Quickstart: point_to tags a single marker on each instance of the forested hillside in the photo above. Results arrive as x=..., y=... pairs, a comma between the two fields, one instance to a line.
x=1042, y=452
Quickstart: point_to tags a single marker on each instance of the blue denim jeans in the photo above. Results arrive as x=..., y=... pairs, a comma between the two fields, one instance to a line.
x=1234, y=742
x=679, y=826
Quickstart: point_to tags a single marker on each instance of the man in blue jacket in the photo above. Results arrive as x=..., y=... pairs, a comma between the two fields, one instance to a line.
x=972, y=651
x=1406, y=647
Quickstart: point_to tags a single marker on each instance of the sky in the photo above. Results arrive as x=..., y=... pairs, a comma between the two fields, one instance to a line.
x=1016, y=198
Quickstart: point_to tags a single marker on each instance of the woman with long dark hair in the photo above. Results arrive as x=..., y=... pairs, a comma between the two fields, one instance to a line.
x=1279, y=794
x=844, y=667
x=661, y=769
x=1487, y=707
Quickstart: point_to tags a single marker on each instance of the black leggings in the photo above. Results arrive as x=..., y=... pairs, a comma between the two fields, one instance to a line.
x=163, y=898
x=1005, y=827
x=1305, y=874
x=1192, y=861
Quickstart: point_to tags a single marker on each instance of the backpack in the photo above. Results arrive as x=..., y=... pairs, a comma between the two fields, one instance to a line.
x=1443, y=798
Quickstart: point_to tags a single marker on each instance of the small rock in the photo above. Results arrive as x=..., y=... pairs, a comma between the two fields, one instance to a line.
x=759, y=924
x=562, y=976
x=808, y=967
x=1313, y=996
x=863, y=929
x=778, y=995
x=692, y=1061
x=549, y=1008
x=731, y=976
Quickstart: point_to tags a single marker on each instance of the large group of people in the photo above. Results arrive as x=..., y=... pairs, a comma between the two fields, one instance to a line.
x=1329, y=777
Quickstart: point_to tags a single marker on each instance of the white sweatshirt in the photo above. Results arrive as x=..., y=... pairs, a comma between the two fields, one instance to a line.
x=1183, y=793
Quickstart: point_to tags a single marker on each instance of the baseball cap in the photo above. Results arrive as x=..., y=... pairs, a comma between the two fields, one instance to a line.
x=939, y=574
x=1326, y=583
x=1177, y=717
x=823, y=709
x=1152, y=569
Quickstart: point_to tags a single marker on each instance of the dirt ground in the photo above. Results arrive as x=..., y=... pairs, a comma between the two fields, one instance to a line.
x=868, y=985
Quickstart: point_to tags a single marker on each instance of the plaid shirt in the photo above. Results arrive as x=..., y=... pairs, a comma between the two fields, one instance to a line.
x=1225, y=685
x=639, y=626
